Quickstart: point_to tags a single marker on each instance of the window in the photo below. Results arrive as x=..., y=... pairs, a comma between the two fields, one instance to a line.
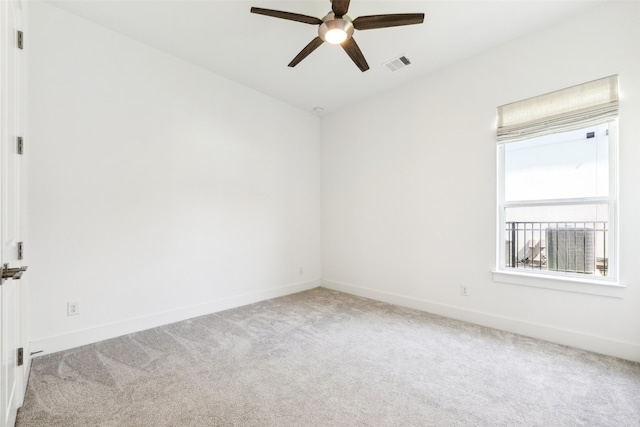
x=557, y=183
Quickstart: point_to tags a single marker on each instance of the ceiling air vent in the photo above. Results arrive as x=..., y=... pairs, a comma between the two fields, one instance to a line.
x=397, y=63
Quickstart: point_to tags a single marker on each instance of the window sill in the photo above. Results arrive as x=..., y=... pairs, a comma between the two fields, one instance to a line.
x=559, y=283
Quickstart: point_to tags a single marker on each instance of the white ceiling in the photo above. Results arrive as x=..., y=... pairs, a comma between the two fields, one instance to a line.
x=254, y=50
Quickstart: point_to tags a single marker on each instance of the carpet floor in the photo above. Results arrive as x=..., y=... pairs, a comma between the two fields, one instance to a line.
x=321, y=358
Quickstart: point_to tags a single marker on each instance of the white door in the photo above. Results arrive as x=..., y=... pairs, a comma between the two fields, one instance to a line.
x=11, y=128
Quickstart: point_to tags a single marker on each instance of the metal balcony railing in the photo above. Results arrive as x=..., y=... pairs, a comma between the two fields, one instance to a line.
x=572, y=247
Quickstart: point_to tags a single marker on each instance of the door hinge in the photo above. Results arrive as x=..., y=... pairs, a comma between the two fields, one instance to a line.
x=20, y=356
x=20, y=250
x=20, y=40
x=20, y=145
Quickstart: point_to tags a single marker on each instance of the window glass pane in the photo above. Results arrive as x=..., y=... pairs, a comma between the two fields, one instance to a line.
x=570, y=213
x=569, y=239
x=560, y=166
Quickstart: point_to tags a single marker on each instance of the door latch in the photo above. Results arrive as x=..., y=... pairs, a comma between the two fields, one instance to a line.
x=12, y=273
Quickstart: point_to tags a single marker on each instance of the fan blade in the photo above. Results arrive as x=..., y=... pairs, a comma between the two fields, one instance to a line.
x=391, y=20
x=287, y=15
x=351, y=47
x=340, y=7
x=313, y=45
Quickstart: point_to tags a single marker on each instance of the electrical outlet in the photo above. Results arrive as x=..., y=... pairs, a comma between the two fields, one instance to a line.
x=464, y=291
x=73, y=308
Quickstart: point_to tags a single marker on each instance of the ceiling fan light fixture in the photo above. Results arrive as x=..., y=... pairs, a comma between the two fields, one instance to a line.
x=335, y=36
x=336, y=30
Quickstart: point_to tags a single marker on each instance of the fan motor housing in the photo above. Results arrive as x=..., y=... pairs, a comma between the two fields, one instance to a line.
x=330, y=23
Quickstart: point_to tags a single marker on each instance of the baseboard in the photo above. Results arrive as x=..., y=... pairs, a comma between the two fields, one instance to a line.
x=88, y=336
x=597, y=344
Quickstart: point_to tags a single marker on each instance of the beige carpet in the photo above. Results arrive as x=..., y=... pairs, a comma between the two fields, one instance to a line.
x=322, y=358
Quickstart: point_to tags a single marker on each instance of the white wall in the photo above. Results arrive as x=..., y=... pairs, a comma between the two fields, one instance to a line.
x=409, y=200
x=158, y=191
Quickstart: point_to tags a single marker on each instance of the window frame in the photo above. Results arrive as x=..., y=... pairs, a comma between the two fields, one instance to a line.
x=532, y=277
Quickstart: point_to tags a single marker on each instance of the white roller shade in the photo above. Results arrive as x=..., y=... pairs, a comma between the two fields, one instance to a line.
x=560, y=111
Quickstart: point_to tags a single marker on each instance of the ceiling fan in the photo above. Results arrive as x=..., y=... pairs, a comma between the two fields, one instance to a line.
x=337, y=28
